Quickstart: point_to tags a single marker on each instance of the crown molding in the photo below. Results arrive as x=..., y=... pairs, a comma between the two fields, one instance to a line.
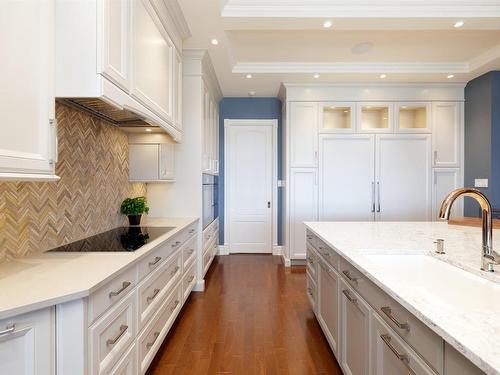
x=349, y=67
x=202, y=67
x=177, y=17
x=360, y=8
x=424, y=85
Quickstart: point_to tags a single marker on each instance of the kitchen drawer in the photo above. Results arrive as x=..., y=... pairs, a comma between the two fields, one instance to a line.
x=106, y=296
x=412, y=330
x=157, y=257
x=311, y=262
x=189, y=253
x=128, y=364
x=331, y=257
x=153, y=290
x=188, y=281
x=311, y=292
x=111, y=336
x=391, y=355
x=153, y=335
x=187, y=233
x=207, y=260
x=311, y=239
x=210, y=233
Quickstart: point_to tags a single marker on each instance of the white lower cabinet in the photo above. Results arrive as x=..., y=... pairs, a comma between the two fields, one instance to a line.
x=128, y=364
x=328, y=304
x=391, y=355
x=27, y=344
x=355, y=336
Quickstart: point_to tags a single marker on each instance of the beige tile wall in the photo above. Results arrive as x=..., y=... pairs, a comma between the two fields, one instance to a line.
x=93, y=166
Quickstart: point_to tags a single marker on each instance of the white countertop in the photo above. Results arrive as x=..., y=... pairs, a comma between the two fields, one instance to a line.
x=47, y=279
x=475, y=332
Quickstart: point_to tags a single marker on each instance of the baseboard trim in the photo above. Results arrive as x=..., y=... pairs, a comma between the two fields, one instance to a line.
x=286, y=261
x=278, y=250
x=223, y=250
x=199, y=286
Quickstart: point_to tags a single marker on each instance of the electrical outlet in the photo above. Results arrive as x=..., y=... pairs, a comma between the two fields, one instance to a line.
x=481, y=182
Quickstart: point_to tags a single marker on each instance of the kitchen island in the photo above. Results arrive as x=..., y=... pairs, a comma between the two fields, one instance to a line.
x=381, y=288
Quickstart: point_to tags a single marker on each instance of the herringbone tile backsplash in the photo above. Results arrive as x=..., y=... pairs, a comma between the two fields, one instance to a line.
x=93, y=166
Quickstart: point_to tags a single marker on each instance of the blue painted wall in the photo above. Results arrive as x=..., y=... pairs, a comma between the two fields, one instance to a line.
x=482, y=137
x=249, y=108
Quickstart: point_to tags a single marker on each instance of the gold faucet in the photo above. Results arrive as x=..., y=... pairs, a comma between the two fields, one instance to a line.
x=489, y=257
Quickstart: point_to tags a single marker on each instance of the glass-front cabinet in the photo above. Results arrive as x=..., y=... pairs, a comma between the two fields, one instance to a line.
x=413, y=117
x=375, y=117
x=337, y=117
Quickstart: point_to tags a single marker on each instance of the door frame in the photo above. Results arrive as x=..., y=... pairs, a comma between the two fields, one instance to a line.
x=274, y=199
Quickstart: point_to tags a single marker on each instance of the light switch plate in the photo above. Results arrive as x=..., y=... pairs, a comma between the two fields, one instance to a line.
x=481, y=182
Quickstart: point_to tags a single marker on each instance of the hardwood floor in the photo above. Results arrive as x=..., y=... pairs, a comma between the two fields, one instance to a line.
x=253, y=318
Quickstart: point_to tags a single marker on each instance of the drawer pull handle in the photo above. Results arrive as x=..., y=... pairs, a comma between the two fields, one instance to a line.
x=349, y=277
x=153, y=296
x=388, y=312
x=326, y=254
x=8, y=330
x=191, y=231
x=190, y=251
x=309, y=237
x=174, y=271
x=155, y=337
x=125, y=285
x=402, y=357
x=177, y=243
x=309, y=290
x=123, y=329
x=154, y=262
x=191, y=278
x=349, y=297
x=176, y=303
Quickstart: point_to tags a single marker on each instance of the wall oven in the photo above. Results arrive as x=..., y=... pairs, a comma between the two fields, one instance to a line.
x=210, y=199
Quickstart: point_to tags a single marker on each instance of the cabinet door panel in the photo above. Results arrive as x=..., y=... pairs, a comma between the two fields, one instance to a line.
x=403, y=171
x=355, y=315
x=446, y=180
x=29, y=348
x=177, y=86
x=303, y=134
x=152, y=53
x=143, y=162
x=113, y=39
x=29, y=142
x=303, y=207
x=447, y=130
x=329, y=308
x=346, y=177
x=167, y=161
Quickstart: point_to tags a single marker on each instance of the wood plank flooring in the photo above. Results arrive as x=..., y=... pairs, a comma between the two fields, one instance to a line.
x=253, y=318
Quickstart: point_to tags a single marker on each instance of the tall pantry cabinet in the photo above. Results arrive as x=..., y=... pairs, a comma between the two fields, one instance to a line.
x=384, y=153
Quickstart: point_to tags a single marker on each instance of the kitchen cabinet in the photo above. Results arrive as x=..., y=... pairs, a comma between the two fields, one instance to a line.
x=210, y=133
x=403, y=177
x=447, y=133
x=337, y=117
x=456, y=364
x=151, y=158
x=413, y=117
x=346, y=177
x=28, y=149
x=303, y=207
x=375, y=117
x=444, y=181
x=152, y=51
x=177, y=87
x=303, y=134
x=27, y=344
x=355, y=326
x=328, y=305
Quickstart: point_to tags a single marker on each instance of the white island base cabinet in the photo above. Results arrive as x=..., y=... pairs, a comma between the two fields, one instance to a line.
x=27, y=345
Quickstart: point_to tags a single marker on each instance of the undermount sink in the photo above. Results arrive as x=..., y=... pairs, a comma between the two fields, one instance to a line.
x=427, y=276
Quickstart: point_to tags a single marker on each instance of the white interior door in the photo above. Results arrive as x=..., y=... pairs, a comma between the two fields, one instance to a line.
x=249, y=185
x=346, y=179
x=403, y=171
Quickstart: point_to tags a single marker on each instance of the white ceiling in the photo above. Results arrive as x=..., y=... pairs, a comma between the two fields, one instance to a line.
x=284, y=41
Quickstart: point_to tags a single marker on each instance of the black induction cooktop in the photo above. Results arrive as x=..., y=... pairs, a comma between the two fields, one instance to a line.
x=118, y=240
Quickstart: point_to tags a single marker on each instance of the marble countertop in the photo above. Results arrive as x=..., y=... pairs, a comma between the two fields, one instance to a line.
x=47, y=279
x=474, y=332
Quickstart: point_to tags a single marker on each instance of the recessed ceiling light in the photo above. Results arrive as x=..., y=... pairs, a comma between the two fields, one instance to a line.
x=450, y=76
x=316, y=76
x=332, y=107
x=383, y=76
x=149, y=130
x=248, y=76
x=251, y=93
x=214, y=42
x=458, y=24
x=346, y=111
x=327, y=24
x=404, y=107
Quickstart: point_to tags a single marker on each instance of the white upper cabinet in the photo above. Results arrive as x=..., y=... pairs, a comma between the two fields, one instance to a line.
x=177, y=87
x=303, y=134
x=447, y=133
x=337, y=117
x=113, y=36
x=413, y=117
x=375, y=117
x=27, y=344
x=152, y=58
x=151, y=158
x=210, y=129
x=28, y=147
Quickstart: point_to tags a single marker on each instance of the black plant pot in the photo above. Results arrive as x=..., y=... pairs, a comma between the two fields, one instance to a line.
x=134, y=219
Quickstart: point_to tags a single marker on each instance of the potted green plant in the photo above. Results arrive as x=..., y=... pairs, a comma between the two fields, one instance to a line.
x=134, y=208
